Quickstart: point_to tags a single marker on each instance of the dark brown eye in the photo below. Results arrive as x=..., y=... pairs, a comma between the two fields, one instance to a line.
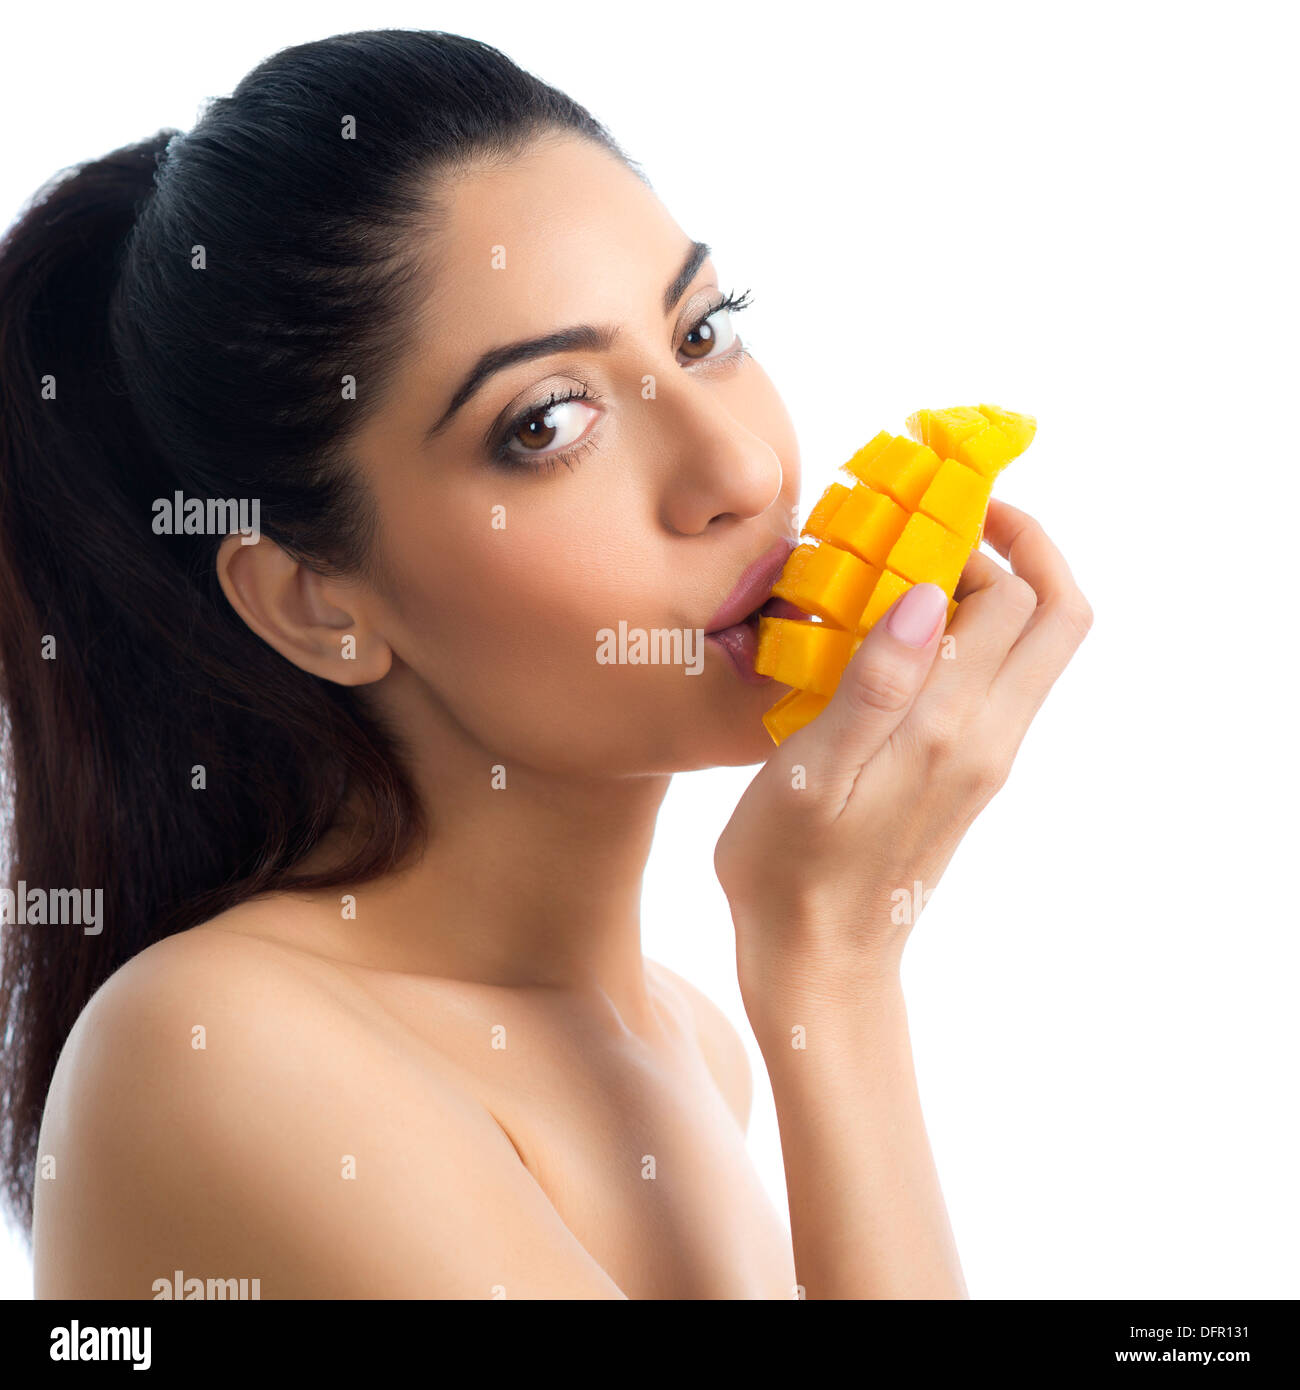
x=537, y=432
x=554, y=424
x=710, y=337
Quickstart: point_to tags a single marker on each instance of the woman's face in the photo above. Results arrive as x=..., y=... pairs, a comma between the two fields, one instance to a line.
x=638, y=502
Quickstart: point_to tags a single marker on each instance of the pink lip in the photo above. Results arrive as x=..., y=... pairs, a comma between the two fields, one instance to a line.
x=753, y=587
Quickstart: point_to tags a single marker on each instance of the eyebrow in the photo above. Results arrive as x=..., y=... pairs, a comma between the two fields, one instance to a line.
x=582, y=336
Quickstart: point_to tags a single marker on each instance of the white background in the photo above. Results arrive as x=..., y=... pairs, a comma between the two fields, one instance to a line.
x=1082, y=213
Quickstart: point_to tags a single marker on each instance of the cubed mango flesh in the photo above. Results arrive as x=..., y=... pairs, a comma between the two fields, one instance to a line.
x=1019, y=429
x=986, y=438
x=987, y=452
x=957, y=498
x=889, y=588
x=808, y=656
x=828, y=504
x=827, y=581
x=902, y=470
x=944, y=430
x=791, y=712
x=929, y=553
x=913, y=516
x=866, y=523
x=869, y=450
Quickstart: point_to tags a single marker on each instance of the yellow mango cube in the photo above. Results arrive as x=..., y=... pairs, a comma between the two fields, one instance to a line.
x=791, y=712
x=987, y=452
x=957, y=498
x=826, y=508
x=1019, y=429
x=944, y=430
x=889, y=587
x=829, y=582
x=808, y=656
x=914, y=513
x=868, y=452
x=902, y=470
x=929, y=553
x=866, y=523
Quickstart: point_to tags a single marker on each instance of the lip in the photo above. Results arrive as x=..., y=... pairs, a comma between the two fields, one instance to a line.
x=753, y=586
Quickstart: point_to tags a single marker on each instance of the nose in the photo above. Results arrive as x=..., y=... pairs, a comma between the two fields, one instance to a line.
x=714, y=466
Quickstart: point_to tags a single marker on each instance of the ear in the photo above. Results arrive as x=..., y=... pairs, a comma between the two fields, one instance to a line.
x=319, y=624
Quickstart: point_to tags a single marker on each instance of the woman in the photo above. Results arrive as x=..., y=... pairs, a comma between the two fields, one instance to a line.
x=367, y=1014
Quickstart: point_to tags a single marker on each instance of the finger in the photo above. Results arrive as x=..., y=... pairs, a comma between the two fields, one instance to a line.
x=993, y=606
x=1062, y=617
x=981, y=570
x=877, y=688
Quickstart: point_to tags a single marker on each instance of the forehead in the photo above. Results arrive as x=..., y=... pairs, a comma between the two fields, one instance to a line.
x=562, y=233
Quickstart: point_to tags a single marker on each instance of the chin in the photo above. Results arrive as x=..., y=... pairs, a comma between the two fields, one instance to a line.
x=739, y=741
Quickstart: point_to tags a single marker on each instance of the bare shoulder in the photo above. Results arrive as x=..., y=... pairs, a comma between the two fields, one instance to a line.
x=195, y=979
x=723, y=1049
x=220, y=1108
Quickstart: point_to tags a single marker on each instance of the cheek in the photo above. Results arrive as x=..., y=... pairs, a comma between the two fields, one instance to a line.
x=502, y=628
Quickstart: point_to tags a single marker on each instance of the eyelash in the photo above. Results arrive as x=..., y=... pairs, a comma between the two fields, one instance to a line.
x=501, y=454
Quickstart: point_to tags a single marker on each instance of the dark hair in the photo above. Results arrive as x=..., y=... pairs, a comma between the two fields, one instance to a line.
x=129, y=373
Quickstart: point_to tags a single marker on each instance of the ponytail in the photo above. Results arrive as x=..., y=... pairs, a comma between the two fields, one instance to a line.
x=162, y=763
x=157, y=752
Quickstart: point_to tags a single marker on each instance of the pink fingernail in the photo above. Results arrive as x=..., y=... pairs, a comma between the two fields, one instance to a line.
x=917, y=614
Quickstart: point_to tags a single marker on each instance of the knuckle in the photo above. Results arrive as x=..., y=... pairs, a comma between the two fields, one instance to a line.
x=985, y=777
x=959, y=758
x=879, y=688
x=1076, y=613
x=943, y=742
x=1018, y=594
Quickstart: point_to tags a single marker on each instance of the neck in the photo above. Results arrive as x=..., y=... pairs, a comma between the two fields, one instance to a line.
x=528, y=879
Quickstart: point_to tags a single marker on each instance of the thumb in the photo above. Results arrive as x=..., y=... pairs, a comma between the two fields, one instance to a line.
x=883, y=678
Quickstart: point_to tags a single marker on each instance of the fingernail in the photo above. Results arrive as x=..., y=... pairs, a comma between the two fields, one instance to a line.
x=916, y=615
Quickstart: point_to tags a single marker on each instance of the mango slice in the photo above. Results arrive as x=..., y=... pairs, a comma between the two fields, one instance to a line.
x=891, y=587
x=866, y=523
x=957, y=498
x=929, y=553
x=914, y=515
x=986, y=438
x=820, y=516
x=902, y=470
x=792, y=712
x=808, y=656
x=1019, y=429
x=831, y=583
x=944, y=430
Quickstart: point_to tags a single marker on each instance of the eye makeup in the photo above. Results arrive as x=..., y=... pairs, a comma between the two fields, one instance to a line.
x=511, y=460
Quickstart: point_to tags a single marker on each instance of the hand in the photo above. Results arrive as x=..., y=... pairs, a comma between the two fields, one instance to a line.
x=911, y=747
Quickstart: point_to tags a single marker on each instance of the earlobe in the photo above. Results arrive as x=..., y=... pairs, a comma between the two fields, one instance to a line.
x=317, y=623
